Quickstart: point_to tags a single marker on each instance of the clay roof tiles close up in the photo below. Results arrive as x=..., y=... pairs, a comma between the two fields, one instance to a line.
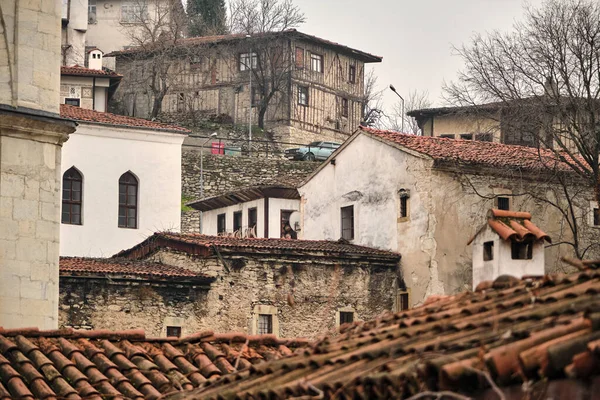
x=86, y=115
x=535, y=338
x=100, y=364
x=76, y=266
x=476, y=153
x=515, y=226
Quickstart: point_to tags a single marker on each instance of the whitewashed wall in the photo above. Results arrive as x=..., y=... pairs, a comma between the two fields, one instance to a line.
x=102, y=154
x=209, y=218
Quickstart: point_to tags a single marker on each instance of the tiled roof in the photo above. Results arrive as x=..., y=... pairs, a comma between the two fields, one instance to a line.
x=77, y=266
x=246, y=194
x=77, y=70
x=86, y=115
x=204, y=40
x=515, y=226
x=477, y=153
x=197, y=243
x=540, y=335
x=100, y=364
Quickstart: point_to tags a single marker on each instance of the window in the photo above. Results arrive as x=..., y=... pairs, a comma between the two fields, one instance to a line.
x=404, y=195
x=344, y=107
x=134, y=13
x=252, y=218
x=596, y=216
x=173, y=331
x=237, y=221
x=484, y=137
x=466, y=136
x=221, y=226
x=303, y=95
x=256, y=96
x=248, y=61
x=180, y=101
x=265, y=324
x=488, y=251
x=128, y=193
x=316, y=62
x=352, y=74
x=285, y=223
x=91, y=11
x=347, y=222
x=72, y=197
x=73, y=102
x=522, y=250
x=299, y=58
x=346, y=317
x=447, y=136
x=403, y=300
x=503, y=203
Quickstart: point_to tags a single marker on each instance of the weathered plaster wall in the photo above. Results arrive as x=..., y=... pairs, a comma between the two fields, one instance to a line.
x=307, y=292
x=102, y=154
x=102, y=304
x=225, y=173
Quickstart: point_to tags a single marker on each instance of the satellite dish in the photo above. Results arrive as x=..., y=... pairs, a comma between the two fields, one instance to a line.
x=295, y=221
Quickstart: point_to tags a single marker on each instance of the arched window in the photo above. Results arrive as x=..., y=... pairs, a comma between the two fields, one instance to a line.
x=128, y=191
x=72, y=193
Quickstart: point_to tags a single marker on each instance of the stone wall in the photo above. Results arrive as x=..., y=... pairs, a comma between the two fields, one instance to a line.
x=105, y=304
x=224, y=173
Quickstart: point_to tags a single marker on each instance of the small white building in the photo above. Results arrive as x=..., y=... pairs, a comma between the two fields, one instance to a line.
x=262, y=211
x=89, y=87
x=121, y=182
x=508, y=244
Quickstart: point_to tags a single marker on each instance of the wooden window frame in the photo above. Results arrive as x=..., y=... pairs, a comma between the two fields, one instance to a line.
x=403, y=300
x=73, y=100
x=404, y=205
x=317, y=62
x=303, y=98
x=245, y=58
x=126, y=206
x=345, y=107
x=264, y=324
x=68, y=202
x=344, y=216
x=352, y=73
x=224, y=218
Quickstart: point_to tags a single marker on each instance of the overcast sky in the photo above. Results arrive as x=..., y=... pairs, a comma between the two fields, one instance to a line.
x=414, y=37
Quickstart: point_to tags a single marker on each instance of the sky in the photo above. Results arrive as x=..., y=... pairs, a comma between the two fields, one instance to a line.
x=414, y=37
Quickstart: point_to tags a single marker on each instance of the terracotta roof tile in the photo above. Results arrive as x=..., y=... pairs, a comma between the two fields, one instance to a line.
x=95, y=365
x=206, y=242
x=86, y=115
x=543, y=331
x=75, y=266
x=476, y=153
x=77, y=70
x=517, y=226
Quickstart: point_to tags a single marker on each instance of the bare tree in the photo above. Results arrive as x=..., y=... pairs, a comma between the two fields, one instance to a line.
x=541, y=84
x=372, y=101
x=267, y=58
x=416, y=100
x=154, y=28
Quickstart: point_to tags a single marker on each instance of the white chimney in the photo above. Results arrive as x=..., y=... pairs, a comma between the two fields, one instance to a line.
x=95, y=59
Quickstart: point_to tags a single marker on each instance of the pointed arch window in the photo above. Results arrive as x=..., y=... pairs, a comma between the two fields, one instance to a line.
x=72, y=194
x=128, y=201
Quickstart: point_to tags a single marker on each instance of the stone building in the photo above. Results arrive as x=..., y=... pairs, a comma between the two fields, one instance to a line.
x=305, y=88
x=508, y=244
x=425, y=197
x=121, y=182
x=290, y=288
x=89, y=88
x=31, y=136
x=258, y=211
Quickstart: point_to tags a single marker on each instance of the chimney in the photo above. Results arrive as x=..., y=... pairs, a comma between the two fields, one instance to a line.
x=551, y=87
x=95, y=59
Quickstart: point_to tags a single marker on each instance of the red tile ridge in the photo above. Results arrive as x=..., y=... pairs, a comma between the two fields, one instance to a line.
x=520, y=229
x=501, y=229
x=196, y=337
x=510, y=214
x=18, y=331
x=535, y=230
x=230, y=337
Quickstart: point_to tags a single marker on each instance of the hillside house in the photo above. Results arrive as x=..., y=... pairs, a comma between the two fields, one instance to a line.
x=289, y=288
x=304, y=88
x=425, y=197
x=121, y=181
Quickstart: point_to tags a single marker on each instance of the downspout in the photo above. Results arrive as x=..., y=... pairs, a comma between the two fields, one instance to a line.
x=266, y=211
x=94, y=95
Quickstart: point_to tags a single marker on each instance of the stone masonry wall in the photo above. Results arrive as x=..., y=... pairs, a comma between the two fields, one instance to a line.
x=224, y=173
x=306, y=292
x=101, y=304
